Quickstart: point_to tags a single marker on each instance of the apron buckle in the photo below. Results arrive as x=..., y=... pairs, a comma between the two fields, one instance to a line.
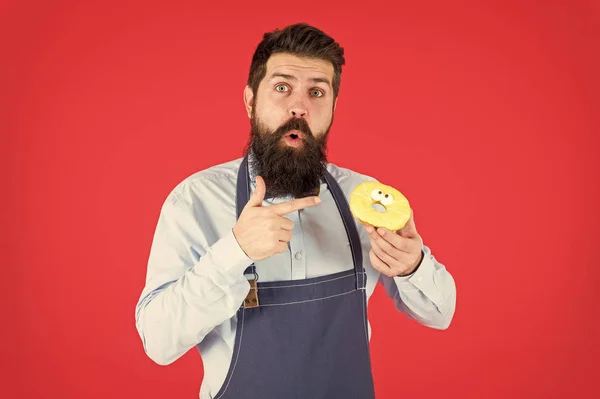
x=251, y=300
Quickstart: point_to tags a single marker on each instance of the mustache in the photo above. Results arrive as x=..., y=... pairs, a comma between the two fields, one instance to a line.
x=299, y=124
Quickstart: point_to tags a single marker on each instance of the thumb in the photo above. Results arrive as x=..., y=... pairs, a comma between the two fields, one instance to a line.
x=409, y=229
x=259, y=193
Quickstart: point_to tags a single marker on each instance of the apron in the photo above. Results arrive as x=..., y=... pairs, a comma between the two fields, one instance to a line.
x=305, y=339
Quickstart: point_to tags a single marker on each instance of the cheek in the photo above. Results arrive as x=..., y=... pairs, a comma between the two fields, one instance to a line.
x=271, y=109
x=322, y=120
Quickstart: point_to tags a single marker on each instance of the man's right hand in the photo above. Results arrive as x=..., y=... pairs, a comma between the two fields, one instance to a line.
x=262, y=231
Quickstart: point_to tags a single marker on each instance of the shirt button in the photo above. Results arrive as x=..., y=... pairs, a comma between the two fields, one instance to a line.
x=298, y=255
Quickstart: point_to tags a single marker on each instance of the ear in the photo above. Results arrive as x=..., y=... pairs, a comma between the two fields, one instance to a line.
x=335, y=103
x=248, y=100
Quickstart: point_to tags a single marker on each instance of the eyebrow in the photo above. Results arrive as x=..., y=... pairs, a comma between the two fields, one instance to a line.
x=290, y=77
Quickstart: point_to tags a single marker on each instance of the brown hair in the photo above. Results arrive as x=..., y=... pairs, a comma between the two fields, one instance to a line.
x=301, y=40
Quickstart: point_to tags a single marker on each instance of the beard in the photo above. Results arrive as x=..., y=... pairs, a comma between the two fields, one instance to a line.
x=287, y=170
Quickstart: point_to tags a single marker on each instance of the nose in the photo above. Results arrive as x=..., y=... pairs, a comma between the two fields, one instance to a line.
x=298, y=108
x=298, y=112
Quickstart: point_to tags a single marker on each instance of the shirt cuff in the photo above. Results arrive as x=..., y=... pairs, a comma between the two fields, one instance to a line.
x=421, y=278
x=408, y=276
x=229, y=256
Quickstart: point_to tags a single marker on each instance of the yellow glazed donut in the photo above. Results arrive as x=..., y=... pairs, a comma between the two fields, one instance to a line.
x=365, y=195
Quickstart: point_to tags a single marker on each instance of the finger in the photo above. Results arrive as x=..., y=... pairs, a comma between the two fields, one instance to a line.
x=282, y=247
x=383, y=254
x=387, y=246
x=294, y=205
x=286, y=224
x=398, y=264
x=284, y=235
x=399, y=242
x=379, y=265
x=259, y=193
x=368, y=227
x=409, y=229
x=401, y=258
x=372, y=230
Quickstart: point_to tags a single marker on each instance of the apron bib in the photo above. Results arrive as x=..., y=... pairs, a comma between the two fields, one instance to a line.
x=305, y=339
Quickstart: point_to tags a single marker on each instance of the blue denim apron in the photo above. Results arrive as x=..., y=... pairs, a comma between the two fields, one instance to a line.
x=305, y=339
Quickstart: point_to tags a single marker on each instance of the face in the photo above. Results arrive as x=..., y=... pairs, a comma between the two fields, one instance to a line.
x=290, y=116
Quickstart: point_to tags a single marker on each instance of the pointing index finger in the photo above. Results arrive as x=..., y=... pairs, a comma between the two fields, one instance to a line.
x=294, y=205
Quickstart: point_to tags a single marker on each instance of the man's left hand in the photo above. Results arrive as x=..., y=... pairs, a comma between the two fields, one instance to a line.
x=395, y=253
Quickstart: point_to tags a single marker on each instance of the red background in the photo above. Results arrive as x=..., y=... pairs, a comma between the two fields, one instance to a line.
x=485, y=114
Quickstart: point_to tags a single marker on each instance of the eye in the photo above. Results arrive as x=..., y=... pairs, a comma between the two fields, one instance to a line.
x=377, y=195
x=316, y=93
x=281, y=88
x=387, y=199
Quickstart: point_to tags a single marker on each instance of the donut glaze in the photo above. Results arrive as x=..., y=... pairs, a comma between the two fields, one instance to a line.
x=365, y=195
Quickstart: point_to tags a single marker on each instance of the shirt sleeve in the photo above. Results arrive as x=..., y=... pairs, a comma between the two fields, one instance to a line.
x=428, y=295
x=189, y=290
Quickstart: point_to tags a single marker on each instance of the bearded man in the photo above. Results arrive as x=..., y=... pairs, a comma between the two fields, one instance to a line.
x=258, y=262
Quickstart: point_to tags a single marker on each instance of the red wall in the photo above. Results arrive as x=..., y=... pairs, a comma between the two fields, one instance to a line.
x=485, y=116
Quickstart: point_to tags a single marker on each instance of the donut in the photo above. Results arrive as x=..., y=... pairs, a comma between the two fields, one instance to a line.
x=365, y=195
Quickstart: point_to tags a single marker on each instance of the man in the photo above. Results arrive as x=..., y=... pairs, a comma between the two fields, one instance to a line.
x=258, y=262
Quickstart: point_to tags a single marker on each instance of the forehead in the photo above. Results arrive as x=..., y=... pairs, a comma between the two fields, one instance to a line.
x=304, y=68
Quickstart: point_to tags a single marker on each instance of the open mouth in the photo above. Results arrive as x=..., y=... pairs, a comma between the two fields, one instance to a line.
x=295, y=134
x=294, y=138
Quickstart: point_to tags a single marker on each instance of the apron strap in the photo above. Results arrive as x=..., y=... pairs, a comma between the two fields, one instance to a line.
x=241, y=199
x=351, y=231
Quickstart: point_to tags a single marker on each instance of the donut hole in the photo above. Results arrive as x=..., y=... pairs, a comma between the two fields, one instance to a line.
x=378, y=207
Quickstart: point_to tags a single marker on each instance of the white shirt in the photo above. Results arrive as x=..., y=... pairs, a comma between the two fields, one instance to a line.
x=195, y=282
